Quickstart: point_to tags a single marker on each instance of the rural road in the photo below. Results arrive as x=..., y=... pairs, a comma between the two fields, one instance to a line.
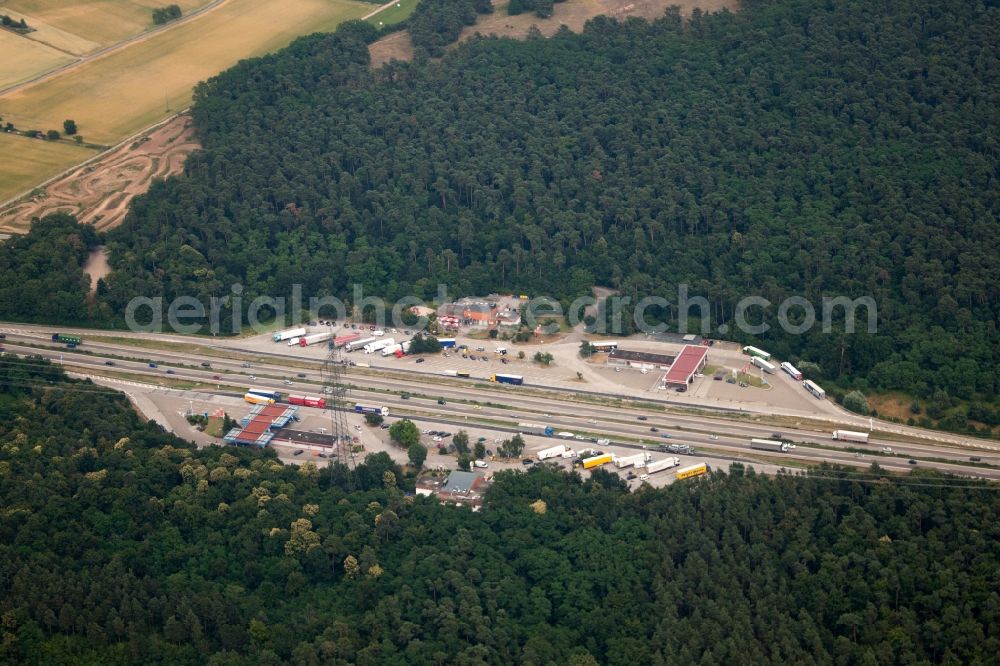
x=112, y=48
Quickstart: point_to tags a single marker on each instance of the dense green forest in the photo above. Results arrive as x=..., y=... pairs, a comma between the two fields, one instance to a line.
x=435, y=24
x=120, y=543
x=795, y=148
x=41, y=273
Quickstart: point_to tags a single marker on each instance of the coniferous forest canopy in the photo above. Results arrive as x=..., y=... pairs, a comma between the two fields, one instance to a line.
x=794, y=148
x=121, y=543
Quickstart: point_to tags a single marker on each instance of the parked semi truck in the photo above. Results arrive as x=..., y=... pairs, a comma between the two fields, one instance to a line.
x=403, y=350
x=359, y=344
x=763, y=365
x=307, y=401
x=281, y=336
x=597, y=461
x=552, y=452
x=343, y=340
x=534, y=429
x=815, y=389
x=392, y=349
x=371, y=409
x=794, y=372
x=379, y=345
x=265, y=393
x=660, y=465
x=851, y=436
x=759, y=353
x=775, y=445
x=637, y=460
x=692, y=470
x=315, y=338
x=255, y=399
x=517, y=380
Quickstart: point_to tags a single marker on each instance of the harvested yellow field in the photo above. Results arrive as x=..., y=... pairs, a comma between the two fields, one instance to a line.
x=22, y=58
x=101, y=21
x=36, y=160
x=114, y=96
x=50, y=35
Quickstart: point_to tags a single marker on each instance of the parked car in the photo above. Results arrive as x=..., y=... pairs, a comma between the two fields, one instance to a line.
x=527, y=461
x=384, y=426
x=405, y=396
x=298, y=452
x=109, y=363
x=420, y=360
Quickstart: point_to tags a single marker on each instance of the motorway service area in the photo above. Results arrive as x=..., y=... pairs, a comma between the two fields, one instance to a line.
x=652, y=411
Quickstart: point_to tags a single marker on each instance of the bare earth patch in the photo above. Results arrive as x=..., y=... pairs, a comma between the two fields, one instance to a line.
x=572, y=13
x=98, y=193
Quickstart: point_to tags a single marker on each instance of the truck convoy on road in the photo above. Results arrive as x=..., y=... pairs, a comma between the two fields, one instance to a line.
x=517, y=380
x=281, y=336
x=763, y=365
x=67, y=339
x=793, y=372
x=371, y=409
x=774, y=445
x=850, y=436
x=660, y=465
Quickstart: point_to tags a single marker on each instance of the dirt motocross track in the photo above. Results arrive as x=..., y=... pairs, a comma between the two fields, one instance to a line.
x=99, y=192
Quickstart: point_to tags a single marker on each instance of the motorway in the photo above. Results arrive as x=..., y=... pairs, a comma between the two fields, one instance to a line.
x=500, y=408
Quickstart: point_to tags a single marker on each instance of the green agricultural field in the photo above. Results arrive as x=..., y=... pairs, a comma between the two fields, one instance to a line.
x=398, y=12
x=23, y=58
x=28, y=162
x=102, y=22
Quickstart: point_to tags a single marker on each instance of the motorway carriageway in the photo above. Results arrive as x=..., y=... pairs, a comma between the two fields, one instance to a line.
x=683, y=423
x=733, y=437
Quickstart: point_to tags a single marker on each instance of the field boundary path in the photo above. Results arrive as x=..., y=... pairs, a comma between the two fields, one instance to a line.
x=112, y=48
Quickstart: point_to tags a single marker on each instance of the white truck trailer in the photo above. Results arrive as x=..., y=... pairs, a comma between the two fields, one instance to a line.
x=660, y=465
x=379, y=345
x=638, y=460
x=289, y=334
x=552, y=452
x=850, y=436
x=358, y=344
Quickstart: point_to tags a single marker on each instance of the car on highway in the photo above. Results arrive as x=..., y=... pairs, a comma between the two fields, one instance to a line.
x=404, y=396
x=665, y=435
x=109, y=363
x=440, y=401
x=527, y=461
x=246, y=364
x=253, y=377
x=216, y=377
x=169, y=371
x=206, y=364
x=654, y=429
x=298, y=452
x=912, y=461
x=301, y=375
x=714, y=437
x=641, y=418
x=286, y=381
x=153, y=365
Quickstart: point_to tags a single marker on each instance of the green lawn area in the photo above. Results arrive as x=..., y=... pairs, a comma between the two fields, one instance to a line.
x=398, y=12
